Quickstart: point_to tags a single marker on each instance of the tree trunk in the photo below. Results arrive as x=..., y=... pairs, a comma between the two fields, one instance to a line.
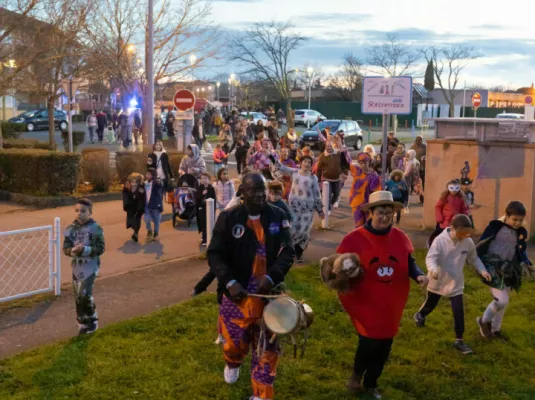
x=145, y=117
x=452, y=109
x=289, y=114
x=51, y=125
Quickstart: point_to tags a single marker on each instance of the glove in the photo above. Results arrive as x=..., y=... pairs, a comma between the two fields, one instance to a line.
x=264, y=285
x=237, y=292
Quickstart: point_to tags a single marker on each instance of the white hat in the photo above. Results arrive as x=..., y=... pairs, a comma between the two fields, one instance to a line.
x=381, y=198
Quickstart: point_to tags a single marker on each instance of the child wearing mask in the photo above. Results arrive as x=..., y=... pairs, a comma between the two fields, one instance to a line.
x=502, y=248
x=204, y=192
x=445, y=261
x=450, y=203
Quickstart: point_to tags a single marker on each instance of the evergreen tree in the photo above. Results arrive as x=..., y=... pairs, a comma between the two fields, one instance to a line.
x=429, y=80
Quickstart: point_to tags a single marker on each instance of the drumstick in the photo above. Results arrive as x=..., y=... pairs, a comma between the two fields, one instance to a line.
x=273, y=338
x=265, y=296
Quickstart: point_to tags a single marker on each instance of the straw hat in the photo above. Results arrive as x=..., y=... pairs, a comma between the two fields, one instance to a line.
x=381, y=198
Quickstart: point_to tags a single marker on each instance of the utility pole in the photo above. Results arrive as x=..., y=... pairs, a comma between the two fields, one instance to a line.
x=150, y=73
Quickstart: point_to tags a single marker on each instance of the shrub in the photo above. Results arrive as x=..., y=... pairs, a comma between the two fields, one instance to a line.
x=128, y=162
x=96, y=168
x=27, y=144
x=11, y=129
x=38, y=172
x=78, y=137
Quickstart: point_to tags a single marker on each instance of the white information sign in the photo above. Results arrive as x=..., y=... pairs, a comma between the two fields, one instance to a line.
x=391, y=95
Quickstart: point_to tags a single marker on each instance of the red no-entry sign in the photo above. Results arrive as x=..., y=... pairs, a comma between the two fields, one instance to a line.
x=184, y=100
x=476, y=100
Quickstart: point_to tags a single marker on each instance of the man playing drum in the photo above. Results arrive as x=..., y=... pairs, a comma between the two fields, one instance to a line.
x=250, y=252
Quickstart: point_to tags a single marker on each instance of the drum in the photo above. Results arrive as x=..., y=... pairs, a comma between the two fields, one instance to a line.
x=284, y=316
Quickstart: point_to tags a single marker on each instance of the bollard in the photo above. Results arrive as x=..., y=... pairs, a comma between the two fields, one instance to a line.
x=325, y=200
x=57, y=256
x=406, y=123
x=210, y=220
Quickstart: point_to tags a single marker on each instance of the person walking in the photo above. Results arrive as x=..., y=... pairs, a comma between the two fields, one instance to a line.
x=102, y=123
x=198, y=133
x=91, y=122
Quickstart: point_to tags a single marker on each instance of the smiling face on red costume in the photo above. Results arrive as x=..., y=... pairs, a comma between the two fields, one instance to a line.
x=383, y=269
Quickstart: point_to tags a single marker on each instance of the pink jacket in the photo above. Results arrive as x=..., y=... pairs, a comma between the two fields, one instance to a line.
x=445, y=210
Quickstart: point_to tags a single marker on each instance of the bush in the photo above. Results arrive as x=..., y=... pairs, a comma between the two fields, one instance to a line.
x=128, y=162
x=78, y=137
x=96, y=168
x=38, y=172
x=11, y=129
x=27, y=144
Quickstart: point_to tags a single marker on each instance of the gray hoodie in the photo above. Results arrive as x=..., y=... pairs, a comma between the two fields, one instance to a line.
x=447, y=258
x=194, y=165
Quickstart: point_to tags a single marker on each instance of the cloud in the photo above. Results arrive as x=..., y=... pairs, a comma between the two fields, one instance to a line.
x=490, y=27
x=236, y=1
x=331, y=18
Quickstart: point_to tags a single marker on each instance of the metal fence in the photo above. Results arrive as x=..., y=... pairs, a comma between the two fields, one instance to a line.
x=30, y=262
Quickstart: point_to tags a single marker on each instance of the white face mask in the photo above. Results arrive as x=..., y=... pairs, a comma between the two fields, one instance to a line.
x=454, y=188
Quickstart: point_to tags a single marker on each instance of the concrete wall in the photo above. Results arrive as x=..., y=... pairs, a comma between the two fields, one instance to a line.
x=502, y=172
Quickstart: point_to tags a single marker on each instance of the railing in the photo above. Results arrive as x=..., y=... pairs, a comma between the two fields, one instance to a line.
x=30, y=262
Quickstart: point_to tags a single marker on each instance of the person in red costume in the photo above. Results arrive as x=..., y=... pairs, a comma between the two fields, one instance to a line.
x=375, y=303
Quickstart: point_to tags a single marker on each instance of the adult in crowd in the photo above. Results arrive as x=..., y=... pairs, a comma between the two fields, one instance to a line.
x=126, y=129
x=273, y=134
x=332, y=165
x=159, y=160
x=250, y=252
x=376, y=302
x=169, y=126
x=225, y=138
x=289, y=140
x=259, y=128
x=192, y=163
x=91, y=122
x=102, y=124
x=137, y=123
x=198, y=133
x=420, y=148
x=280, y=117
x=262, y=158
x=304, y=200
x=398, y=157
x=158, y=127
x=365, y=182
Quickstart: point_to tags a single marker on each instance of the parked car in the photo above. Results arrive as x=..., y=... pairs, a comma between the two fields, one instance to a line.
x=510, y=116
x=352, y=133
x=257, y=116
x=304, y=117
x=36, y=120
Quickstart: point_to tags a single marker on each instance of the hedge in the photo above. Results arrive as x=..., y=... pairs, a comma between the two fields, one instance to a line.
x=96, y=168
x=38, y=172
x=27, y=144
x=11, y=129
x=128, y=162
x=78, y=137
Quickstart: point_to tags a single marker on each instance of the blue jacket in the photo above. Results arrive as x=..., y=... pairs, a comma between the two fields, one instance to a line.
x=156, y=196
x=398, y=194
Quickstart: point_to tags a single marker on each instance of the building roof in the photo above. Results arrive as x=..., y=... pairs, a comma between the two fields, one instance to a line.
x=420, y=90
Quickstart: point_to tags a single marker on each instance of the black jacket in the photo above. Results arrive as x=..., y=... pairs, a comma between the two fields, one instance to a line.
x=232, y=249
x=134, y=205
x=164, y=159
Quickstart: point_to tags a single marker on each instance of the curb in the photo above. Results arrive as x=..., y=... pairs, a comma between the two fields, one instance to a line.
x=53, y=202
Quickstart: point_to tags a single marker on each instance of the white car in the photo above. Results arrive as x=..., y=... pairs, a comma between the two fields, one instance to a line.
x=257, y=116
x=510, y=116
x=306, y=117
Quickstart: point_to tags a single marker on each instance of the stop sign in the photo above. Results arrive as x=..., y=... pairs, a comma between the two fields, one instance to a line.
x=184, y=100
x=529, y=100
x=476, y=100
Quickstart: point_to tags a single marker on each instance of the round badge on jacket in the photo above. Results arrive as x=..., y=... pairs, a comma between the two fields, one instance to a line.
x=238, y=231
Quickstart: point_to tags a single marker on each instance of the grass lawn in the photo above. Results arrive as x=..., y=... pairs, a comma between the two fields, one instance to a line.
x=170, y=355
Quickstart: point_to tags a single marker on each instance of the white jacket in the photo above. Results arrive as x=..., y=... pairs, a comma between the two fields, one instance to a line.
x=448, y=259
x=225, y=193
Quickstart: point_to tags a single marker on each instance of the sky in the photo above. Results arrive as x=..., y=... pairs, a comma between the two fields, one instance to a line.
x=502, y=36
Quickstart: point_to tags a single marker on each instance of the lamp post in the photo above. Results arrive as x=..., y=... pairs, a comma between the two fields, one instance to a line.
x=217, y=85
x=230, y=93
x=310, y=70
x=150, y=72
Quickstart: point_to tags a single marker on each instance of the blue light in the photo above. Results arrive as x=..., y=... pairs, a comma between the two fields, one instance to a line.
x=133, y=102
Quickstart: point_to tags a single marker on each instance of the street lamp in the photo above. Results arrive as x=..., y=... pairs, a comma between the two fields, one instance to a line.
x=230, y=91
x=131, y=48
x=310, y=70
x=217, y=85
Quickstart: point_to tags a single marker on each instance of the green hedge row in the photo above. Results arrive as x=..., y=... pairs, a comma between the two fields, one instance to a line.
x=38, y=172
x=11, y=130
x=78, y=137
x=27, y=144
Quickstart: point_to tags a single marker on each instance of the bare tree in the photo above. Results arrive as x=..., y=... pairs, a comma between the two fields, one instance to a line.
x=264, y=52
x=58, y=33
x=347, y=83
x=448, y=63
x=392, y=58
x=183, y=40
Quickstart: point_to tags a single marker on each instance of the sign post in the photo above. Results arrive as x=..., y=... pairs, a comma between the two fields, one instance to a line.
x=184, y=101
x=386, y=96
x=476, y=102
x=529, y=109
x=69, y=88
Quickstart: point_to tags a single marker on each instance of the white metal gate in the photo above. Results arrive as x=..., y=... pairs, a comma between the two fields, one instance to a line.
x=30, y=262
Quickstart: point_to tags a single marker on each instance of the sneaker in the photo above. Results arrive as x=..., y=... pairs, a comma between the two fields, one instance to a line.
x=135, y=238
x=220, y=340
x=500, y=335
x=336, y=205
x=462, y=347
x=419, y=319
x=484, y=328
x=149, y=236
x=89, y=328
x=231, y=374
x=300, y=260
x=354, y=384
x=155, y=237
x=375, y=393
x=203, y=244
